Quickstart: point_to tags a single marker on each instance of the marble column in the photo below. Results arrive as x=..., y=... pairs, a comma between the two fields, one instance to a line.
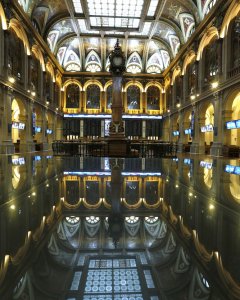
x=198, y=143
x=7, y=146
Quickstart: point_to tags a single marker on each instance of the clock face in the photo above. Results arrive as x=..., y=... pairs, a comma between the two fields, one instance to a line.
x=117, y=60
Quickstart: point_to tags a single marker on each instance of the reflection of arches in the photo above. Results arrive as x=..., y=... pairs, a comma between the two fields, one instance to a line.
x=208, y=177
x=235, y=187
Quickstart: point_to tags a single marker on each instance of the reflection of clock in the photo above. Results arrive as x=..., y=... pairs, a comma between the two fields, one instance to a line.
x=117, y=61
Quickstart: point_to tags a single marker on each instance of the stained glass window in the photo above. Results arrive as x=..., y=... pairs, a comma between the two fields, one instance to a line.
x=151, y=219
x=132, y=219
x=133, y=97
x=72, y=219
x=153, y=98
x=93, y=97
x=72, y=96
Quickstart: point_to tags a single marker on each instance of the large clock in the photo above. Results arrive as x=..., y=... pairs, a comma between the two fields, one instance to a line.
x=117, y=61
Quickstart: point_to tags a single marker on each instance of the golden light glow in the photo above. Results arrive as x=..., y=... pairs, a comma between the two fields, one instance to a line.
x=214, y=84
x=11, y=79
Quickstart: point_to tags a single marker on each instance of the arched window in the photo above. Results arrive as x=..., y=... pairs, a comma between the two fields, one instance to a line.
x=134, y=63
x=178, y=86
x=93, y=62
x=56, y=93
x=46, y=86
x=109, y=96
x=93, y=97
x=192, y=78
x=211, y=62
x=153, y=98
x=72, y=96
x=33, y=73
x=133, y=97
x=235, y=43
x=132, y=219
x=15, y=55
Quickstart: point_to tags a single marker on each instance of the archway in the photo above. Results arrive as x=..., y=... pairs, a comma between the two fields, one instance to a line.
x=18, y=124
x=231, y=117
x=206, y=122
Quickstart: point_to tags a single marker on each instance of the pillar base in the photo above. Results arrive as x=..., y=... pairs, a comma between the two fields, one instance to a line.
x=7, y=147
x=27, y=147
x=180, y=148
x=197, y=149
x=216, y=149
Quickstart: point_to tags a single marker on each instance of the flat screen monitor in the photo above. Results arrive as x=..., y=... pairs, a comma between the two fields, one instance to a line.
x=231, y=125
x=15, y=125
x=21, y=126
x=237, y=170
x=38, y=129
x=187, y=161
x=209, y=127
x=229, y=169
x=237, y=123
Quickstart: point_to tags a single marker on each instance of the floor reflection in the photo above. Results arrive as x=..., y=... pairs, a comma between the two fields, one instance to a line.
x=100, y=228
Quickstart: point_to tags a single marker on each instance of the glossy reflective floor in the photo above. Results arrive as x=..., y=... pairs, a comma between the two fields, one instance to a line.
x=99, y=228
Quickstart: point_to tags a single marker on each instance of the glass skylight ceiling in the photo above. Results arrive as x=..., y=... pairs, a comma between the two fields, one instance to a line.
x=77, y=6
x=115, y=14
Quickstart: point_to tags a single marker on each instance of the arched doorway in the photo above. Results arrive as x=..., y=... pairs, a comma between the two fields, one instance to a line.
x=206, y=122
x=231, y=117
x=18, y=124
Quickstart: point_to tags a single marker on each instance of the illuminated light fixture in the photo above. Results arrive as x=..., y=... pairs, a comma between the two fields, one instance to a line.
x=29, y=91
x=177, y=186
x=211, y=206
x=47, y=102
x=190, y=194
x=178, y=105
x=57, y=108
x=47, y=185
x=62, y=89
x=12, y=207
x=11, y=79
x=168, y=110
x=33, y=94
x=197, y=95
x=193, y=97
x=33, y=194
x=214, y=84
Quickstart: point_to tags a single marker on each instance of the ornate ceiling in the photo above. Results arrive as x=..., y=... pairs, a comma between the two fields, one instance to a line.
x=81, y=33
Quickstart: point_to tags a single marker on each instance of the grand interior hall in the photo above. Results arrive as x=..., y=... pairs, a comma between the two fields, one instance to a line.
x=120, y=150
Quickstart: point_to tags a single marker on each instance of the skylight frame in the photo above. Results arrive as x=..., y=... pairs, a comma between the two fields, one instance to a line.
x=112, y=14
